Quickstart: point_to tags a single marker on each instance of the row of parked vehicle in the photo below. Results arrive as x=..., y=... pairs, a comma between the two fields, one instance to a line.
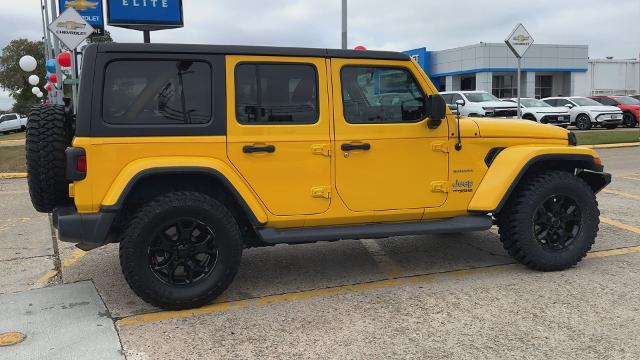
x=12, y=122
x=585, y=113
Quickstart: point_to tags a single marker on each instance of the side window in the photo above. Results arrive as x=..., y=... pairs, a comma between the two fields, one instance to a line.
x=457, y=97
x=276, y=94
x=159, y=92
x=10, y=117
x=606, y=101
x=562, y=102
x=378, y=95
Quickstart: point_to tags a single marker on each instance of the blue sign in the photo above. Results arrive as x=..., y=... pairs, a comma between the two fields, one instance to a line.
x=145, y=14
x=90, y=10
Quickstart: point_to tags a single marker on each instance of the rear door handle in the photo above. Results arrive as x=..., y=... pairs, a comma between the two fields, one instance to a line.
x=250, y=149
x=349, y=147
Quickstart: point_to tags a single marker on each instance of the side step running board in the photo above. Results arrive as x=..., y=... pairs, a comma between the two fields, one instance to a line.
x=375, y=230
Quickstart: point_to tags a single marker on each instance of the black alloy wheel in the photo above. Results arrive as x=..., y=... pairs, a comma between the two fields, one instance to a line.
x=628, y=120
x=183, y=252
x=557, y=222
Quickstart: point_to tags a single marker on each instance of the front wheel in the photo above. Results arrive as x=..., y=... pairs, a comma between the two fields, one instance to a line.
x=550, y=222
x=181, y=250
x=583, y=122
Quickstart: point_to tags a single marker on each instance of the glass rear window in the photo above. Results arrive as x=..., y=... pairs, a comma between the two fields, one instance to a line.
x=157, y=92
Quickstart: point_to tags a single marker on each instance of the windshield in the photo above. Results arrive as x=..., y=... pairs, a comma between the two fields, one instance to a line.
x=480, y=97
x=580, y=101
x=626, y=100
x=533, y=103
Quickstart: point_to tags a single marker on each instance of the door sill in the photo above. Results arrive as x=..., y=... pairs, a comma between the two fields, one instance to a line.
x=375, y=230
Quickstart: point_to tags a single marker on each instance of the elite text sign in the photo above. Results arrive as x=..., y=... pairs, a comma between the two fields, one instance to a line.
x=145, y=14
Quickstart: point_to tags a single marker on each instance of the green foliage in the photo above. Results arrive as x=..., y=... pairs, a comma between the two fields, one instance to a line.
x=99, y=39
x=13, y=79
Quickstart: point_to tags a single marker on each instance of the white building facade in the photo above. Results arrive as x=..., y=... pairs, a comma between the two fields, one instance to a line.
x=547, y=70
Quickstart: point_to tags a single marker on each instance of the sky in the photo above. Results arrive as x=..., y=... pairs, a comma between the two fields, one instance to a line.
x=609, y=28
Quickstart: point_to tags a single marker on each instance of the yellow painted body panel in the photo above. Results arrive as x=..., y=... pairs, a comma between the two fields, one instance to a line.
x=392, y=182
x=506, y=167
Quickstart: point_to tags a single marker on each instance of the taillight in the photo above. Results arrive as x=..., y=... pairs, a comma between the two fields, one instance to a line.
x=81, y=163
x=76, y=163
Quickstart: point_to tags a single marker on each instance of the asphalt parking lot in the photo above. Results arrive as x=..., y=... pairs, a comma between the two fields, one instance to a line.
x=454, y=296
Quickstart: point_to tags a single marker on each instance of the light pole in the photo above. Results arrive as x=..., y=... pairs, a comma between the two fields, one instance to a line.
x=344, y=24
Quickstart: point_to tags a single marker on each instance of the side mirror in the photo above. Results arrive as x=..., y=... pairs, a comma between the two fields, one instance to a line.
x=460, y=102
x=570, y=106
x=436, y=110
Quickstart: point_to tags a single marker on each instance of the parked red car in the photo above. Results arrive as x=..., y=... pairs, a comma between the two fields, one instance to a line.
x=629, y=106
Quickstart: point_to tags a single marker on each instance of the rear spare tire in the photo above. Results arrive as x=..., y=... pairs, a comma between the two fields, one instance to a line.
x=48, y=135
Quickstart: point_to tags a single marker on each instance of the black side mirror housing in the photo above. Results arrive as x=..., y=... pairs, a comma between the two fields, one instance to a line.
x=436, y=110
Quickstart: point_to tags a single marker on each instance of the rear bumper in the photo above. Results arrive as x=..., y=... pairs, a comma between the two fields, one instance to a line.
x=88, y=231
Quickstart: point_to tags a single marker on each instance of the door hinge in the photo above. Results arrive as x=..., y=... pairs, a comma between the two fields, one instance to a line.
x=321, y=192
x=439, y=146
x=321, y=149
x=440, y=186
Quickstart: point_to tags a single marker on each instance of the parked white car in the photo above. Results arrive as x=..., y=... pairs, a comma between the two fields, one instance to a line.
x=12, y=122
x=480, y=103
x=586, y=112
x=540, y=111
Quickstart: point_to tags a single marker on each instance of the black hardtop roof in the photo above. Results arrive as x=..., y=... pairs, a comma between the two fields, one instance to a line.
x=250, y=50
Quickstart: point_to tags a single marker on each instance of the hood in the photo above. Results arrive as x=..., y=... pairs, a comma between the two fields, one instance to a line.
x=516, y=128
x=545, y=110
x=496, y=104
x=603, y=108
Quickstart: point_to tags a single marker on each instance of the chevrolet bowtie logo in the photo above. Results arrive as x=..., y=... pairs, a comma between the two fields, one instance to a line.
x=81, y=4
x=71, y=25
x=521, y=38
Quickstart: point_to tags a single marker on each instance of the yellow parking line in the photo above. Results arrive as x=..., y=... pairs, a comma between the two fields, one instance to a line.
x=47, y=277
x=388, y=266
x=75, y=256
x=336, y=290
x=620, y=225
x=13, y=175
x=620, y=193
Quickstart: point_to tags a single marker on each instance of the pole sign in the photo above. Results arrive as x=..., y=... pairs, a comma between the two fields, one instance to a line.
x=90, y=10
x=70, y=28
x=519, y=41
x=145, y=14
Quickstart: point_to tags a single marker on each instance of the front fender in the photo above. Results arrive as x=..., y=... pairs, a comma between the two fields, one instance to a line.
x=176, y=164
x=510, y=165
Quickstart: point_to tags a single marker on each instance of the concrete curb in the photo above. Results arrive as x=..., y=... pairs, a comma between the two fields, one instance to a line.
x=612, y=146
x=13, y=175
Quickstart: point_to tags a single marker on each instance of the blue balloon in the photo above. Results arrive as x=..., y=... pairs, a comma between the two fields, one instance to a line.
x=51, y=65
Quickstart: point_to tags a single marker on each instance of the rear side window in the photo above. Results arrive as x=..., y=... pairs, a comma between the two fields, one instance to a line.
x=158, y=92
x=276, y=94
x=10, y=117
x=381, y=95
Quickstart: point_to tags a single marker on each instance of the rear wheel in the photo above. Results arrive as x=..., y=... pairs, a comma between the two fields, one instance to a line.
x=181, y=250
x=583, y=122
x=550, y=222
x=628, y=120
x=48, y=136
x=529, y=117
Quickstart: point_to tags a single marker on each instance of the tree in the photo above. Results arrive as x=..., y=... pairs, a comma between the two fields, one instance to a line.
x=13, y=79
x=98, y=39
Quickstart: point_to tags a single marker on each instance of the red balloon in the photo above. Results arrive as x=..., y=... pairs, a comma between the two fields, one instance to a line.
x=49, y=87
x=53, y=78
x=360, y=47
x=64, y=59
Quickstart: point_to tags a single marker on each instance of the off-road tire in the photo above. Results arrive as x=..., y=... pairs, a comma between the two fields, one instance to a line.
x=140, y=232
x=516, y=219
x=48, y=136
x=583, y=122
x=628, y=120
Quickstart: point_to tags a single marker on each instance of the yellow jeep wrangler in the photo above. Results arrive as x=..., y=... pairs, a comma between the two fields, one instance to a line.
x=187, y=154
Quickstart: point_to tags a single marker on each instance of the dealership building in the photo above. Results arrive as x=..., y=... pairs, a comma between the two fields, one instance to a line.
x=547, y=70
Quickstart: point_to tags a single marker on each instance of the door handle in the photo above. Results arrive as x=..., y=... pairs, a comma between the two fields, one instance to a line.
x=349, y=147
x=250, y=149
